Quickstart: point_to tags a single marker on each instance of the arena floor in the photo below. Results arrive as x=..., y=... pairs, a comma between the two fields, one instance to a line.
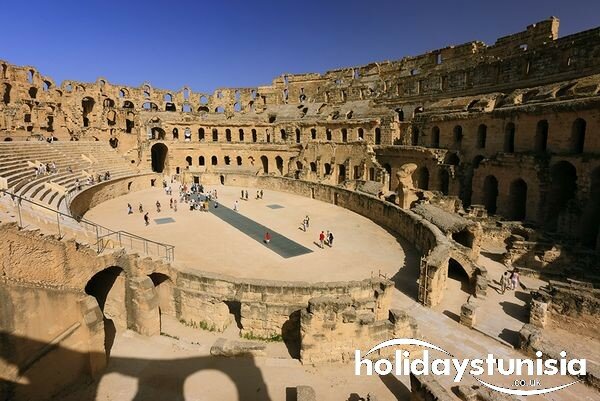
x=220, y=242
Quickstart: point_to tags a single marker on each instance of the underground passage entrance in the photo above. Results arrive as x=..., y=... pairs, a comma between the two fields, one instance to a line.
x=159, y=153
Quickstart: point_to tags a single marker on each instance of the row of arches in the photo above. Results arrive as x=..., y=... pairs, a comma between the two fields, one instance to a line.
x=575, y=143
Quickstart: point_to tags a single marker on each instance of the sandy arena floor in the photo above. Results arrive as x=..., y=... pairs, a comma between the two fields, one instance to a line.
x=204, y=242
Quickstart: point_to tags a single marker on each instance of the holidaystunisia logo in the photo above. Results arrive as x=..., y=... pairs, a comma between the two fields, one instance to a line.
x=402, y=364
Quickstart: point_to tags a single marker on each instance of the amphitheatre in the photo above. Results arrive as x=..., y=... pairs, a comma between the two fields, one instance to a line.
x=436, y=174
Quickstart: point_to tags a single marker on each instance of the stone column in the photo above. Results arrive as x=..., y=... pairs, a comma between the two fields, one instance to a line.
x=468, y=314
x=538, y=313
x=143, y=316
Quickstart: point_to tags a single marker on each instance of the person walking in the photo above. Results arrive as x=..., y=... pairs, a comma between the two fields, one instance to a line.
x=246, y=194
x=235, y=206
x=129, y=209
x=146, y=219
x=261, y=194
x=514, y=278
x=175, y=204
x=157, y=206
x=171, y=203
x=307, y=221
x=321, y=239
x=267, y=238
x=141, y=208
x=304, y=225
x=330, y=239
x=504, y=283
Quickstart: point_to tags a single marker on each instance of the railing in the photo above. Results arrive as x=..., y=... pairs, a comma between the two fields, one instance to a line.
x=105, y=237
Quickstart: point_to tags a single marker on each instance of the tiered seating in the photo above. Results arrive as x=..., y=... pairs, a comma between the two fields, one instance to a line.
x=83, y=158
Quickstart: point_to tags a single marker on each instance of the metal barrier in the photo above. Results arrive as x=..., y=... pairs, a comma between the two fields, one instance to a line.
x=105, y=237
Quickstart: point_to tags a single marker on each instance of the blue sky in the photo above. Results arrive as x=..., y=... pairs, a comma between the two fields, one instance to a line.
x=210, y=44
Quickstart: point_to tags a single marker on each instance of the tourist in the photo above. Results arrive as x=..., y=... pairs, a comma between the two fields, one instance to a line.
x=304, y=225
x=242, y=194
x=141, y=208
x=514, y=278
x=257, y=195
x=330, y=239
x=235, y=206
x=261, y=194
x=157, y=206
x=504, y=283
x=267, y=238
x=146, y=219
x=216, y=204
x=129, y=209
x=175, y=205
x=171, y=203
x=307, y=221
x=321, y=239
x=246, y=194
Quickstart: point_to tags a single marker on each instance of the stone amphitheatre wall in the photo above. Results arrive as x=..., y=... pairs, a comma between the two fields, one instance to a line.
x=101, y=192
x=38, y=345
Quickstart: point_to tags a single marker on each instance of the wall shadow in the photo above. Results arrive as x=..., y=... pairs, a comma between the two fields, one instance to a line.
x=48, y=370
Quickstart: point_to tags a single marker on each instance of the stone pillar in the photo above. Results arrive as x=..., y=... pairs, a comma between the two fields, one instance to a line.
x=144, y=316
x=94, y=322
x=467, y=314
x=538, y=313
x=481, y=285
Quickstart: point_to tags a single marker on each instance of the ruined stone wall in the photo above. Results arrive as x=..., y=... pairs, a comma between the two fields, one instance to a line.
x=101, y=192
x=42, y=351
x=333, y=327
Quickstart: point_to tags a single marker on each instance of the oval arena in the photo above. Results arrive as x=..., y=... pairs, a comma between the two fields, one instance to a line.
x=436, y=174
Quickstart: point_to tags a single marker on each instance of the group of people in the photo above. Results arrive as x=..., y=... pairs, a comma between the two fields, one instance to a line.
x=509, y=280
x=44, y=169
x=325, y=238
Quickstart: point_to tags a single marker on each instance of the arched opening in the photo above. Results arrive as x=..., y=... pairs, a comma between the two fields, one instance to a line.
x=327, y=167
x=458, y=136
x=170, y=106
x=297, y=135
x=444, y=181
x=563, y=188
x=157, y=133
x=590, y=221
x=457, y=273
x=188, y=160
x=361, y=134
x=344, y=135
x=518, y=200
x=213, y=160
x=87, y=105
x=129, y=123
x=238, y=160
x=175, y=134
x=201, y=161
x=577, y=141
x=241, y=135
x=541, y=136
x=163, y=286
x=228, y=135
x=477, y=161
x=201, y=134
x=159, y=153
x=388, y=170
x=435, y=137
x=490, y=193
x=509, y=138
x=377, y=136
x=227, y=160
x=341, y=173
x=421, y=178
x=481, y=136
x=108, y=287
x=452, y=159
x=215, y=135
x=328, y=134
x=254, y=136
x=283, y=134
x=414, y=136
x=313, y=167
x=128, y=104
x=313, y=134
x=6, y=93
x=279, y=164
x=265, y=164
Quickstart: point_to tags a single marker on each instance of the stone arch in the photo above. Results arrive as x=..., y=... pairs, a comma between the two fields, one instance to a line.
x=435, y=137
x=108, y=288
x=158, y=133
x=444, y=181
x=421, y=178
x=201, y=134
x=563, y=188
x=577, y=140
x=163, y=286
x=188, y=160
x=265, y=164
x=517, y=196
x=541, y=136
x=159, y=153
x=481, y=136
x=213, y=160
x=490, y=193
x=201, y=161
x=457, y=134
x=509, y=138
x=590, y=222
x=279, y=164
